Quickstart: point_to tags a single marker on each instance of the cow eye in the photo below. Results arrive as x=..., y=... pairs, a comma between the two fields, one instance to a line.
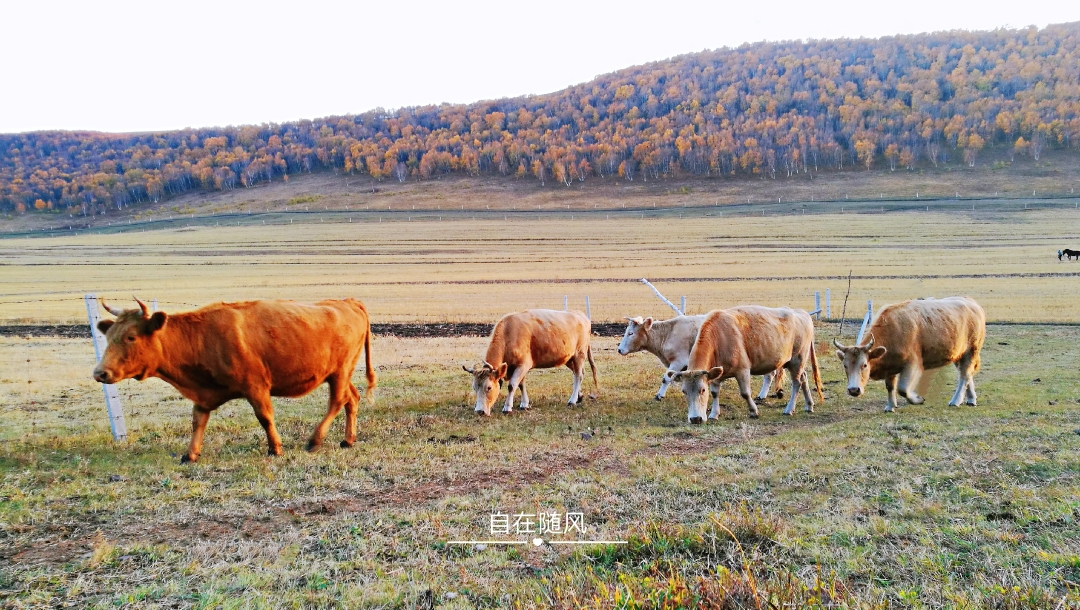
x=130, y=338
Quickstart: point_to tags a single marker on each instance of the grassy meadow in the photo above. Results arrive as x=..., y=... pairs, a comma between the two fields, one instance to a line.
x=929, y=507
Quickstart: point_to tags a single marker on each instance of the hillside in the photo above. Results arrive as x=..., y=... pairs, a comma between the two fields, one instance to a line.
x=767, y=110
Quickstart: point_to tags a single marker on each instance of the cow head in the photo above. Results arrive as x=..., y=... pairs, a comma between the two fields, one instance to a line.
x=636, y=335
x=856, y=360
x=695, y=384
x=487, y=381
x=133, y=346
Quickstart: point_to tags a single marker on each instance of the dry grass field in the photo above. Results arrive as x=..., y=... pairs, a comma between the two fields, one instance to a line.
x=928, y=507
x=462, y=269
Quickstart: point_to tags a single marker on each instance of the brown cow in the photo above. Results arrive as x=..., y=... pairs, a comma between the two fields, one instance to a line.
x=532, y=339
x=671, y=342
x=252, y=350
x=914, y=336
x=750, y=340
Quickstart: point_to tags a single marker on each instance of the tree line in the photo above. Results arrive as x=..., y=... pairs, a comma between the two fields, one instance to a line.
x=764, y=110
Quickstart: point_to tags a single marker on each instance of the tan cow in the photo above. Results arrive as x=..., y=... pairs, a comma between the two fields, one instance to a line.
x=910, y=337
x=671, y=342
x=750, y=340
x=532, y=339
x=252, y=350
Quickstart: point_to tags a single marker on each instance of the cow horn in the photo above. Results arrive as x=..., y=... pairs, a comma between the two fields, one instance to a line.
x=145, y=310
x=115, y=312
x=838, y=345
x=871, y=343
x=487, y=365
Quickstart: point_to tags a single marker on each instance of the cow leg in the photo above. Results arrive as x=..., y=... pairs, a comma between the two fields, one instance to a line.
x=515, y=380
x=714, y=389
x=909, y=378
x=339, y=397
x=264, y=412
x=199, y=417
x=806, y=391
x=962, y=366
x=968, y=374
x=971, y=400
x=766, y=383
x=743, y=378
x=351, y=408
x=890, y=393
x=524, y=406
x=577, y=365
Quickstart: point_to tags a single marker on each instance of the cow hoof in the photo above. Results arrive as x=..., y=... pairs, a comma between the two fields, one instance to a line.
x=809, y=410
x=311, y=446
x=971, y=404
x=658, y=398
x=346, y=444
x=788, y=413
x=779, y=394
x=755, y=415
x=187, y=460
x=505, y=412
x=915, y=400
x=273, y=453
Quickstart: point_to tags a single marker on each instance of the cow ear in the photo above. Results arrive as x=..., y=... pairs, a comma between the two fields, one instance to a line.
x=877, y=352
x=840, y=354
x=466, y=369
x=501, y=371
x=677, y=377
x=156, y=321
x=104, y=326
x=715, y=372
x=647, y=323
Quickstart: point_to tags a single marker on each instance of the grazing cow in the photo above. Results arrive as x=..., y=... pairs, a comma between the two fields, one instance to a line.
x=252, y=350
x=532, y=339
x=912, y=337
x=750, y=340
x=1069, y=254
x=671, y=342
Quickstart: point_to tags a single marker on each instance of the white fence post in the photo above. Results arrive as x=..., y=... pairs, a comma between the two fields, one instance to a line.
x=565, y=303
x=828, y=305
x=112, y=397
x=662, y=297
x=153, y=306
x=866, y=321
x=588, y=310
x=682, y=305
x=817, y=303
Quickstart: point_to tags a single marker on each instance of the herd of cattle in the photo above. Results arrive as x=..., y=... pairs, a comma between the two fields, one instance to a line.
x=258, y=349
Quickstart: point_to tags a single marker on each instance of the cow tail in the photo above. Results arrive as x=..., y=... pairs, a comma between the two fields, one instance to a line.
x=817, y=373
x=592, y=367
x=371, y=378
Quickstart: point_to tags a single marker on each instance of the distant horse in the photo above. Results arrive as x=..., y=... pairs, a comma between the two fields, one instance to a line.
x=1070, y=254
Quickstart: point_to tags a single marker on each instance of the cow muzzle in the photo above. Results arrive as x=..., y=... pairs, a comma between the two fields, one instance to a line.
x=855, y=391
x=697, y=420
x=102, y=376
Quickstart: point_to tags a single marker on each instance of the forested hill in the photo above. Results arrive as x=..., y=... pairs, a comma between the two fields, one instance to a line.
x=766, y=109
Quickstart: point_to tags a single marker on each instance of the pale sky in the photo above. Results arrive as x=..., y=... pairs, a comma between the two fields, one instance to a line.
x=149, y=66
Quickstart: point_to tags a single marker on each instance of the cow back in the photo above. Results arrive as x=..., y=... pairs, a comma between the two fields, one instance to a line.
x=934, y=332
x=761, y=339
x=545, y=338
